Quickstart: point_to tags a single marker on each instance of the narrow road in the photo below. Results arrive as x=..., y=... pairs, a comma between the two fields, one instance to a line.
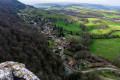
x=91, y=70
x=99, y=69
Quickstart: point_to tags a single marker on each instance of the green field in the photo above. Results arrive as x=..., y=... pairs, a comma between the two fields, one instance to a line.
x=105, y=47
x=70, y=27
x=91, y=27
x=109, y=74
x=68, y=36
x=115, y=33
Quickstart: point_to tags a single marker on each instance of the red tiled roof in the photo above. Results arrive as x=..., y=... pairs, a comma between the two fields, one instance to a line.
x=69, y=40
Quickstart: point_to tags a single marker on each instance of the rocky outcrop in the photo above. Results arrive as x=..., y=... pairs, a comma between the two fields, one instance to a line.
x=10, y=69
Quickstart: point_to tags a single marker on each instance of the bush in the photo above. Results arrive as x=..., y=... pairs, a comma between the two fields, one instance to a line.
x=82, y=55
x=117, y=60
x=75, y=76
x=92, y=76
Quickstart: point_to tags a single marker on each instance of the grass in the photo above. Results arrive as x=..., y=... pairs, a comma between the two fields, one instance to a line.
x=68, y=36
x=105, y=47
x=112, y=26
x=70, y=27
x=52, y=44
x=110, y=74
x=115, y=33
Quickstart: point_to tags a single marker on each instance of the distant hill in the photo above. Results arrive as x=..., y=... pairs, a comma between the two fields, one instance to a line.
x=98, y=6
x=95, y=6
x=61, y=4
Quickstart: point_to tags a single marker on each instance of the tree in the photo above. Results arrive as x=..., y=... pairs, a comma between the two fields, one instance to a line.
x=75, y=76
x=82, y=54
x=117, y=60
x=83, y=27
x=76, y=45
x=92, y=76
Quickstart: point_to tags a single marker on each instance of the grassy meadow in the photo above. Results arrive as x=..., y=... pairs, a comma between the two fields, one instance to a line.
x=92, y=28
x=115, y=33
x=105, y=47
x=70, y=27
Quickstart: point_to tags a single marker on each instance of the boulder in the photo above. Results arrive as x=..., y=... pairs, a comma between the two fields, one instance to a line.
x=10, y=69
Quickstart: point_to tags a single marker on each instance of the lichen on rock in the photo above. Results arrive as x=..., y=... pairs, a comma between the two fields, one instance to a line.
x=10, y=69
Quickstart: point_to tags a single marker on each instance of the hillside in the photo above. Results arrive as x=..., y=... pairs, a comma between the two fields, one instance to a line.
x=22, y=43
x=8, y=14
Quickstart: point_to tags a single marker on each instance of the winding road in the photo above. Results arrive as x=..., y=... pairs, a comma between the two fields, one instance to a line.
x=99, y=69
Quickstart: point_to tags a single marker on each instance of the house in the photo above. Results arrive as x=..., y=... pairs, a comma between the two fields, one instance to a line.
x=58, y=40
x=59, y=47
x=71, y=63
x=66, y=44
x=42, y=32
x=69, y=40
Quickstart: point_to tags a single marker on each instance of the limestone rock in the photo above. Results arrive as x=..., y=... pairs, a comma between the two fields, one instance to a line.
x=10, y=68
x=6, y=74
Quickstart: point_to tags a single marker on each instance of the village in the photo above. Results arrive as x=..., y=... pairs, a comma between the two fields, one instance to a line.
x=60, y=44
x=46, y=28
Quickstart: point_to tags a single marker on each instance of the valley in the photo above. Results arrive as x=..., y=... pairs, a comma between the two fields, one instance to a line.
x=69, y=37
x=102, y=25
x=59, y=41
